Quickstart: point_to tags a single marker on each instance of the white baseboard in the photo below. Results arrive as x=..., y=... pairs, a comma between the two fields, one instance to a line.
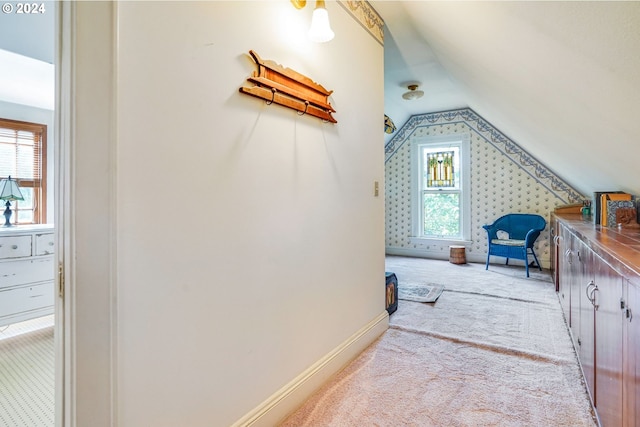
x=432, y=254
x=291, y=396
x=480, y=258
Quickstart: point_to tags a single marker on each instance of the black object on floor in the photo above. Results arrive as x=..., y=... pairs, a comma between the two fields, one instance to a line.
x=391, y=292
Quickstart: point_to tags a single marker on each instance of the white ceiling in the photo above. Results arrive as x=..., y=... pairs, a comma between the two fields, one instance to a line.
x=27, y=56
x=408, y=58
x=562, y=79
x=26, y=81
x=31, y=34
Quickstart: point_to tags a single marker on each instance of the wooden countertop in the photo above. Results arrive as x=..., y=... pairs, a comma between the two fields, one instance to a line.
x=619, y=247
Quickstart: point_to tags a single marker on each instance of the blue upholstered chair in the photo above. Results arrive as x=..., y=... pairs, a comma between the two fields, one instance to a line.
x=513, y=236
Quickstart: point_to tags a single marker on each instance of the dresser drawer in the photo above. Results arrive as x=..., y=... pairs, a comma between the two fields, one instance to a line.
x=44, y=244
x=25, y=298
x=15, y=246
x=24, y=271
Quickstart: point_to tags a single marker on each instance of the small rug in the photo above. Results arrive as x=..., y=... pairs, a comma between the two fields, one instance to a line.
x=428, y=292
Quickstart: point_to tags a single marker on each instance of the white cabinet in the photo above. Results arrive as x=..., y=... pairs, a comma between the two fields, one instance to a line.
x=44, y=244
x=15, y=246
x=26, y=272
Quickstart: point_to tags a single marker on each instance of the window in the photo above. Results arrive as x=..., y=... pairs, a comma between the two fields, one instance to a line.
x=440, y=188
x=23, y=148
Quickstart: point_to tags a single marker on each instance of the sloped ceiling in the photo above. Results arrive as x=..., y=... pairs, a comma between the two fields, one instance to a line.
x=561, y=79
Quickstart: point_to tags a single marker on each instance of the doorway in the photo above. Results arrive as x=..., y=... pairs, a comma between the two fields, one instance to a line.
x=28, y=368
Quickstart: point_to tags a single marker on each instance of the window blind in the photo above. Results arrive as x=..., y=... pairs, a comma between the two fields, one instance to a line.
x=23, y=157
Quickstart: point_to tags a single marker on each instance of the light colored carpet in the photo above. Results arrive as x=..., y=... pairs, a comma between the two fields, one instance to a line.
x=492, y=351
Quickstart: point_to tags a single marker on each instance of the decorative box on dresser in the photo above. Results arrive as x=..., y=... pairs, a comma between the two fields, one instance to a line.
x=597, y=273
x=27, y=272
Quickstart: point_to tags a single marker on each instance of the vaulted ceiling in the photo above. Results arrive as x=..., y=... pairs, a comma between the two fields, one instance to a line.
x=561, y=79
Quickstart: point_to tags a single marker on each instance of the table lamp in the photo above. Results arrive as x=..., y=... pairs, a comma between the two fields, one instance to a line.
x=9, y=190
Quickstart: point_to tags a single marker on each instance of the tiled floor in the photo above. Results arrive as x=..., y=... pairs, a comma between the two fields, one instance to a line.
x=27, y=378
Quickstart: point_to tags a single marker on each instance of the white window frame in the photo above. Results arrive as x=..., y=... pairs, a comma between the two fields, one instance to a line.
x=417, y=167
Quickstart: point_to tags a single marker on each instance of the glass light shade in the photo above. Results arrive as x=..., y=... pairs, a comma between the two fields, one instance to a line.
x=320, y=30
x=9, y=190
x=413, y=94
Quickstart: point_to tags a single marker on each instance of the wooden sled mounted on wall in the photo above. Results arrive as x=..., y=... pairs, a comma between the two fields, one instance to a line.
x=286, y=87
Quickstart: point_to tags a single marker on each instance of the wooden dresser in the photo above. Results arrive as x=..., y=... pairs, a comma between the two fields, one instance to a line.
x=597, y=273
x=27, y=272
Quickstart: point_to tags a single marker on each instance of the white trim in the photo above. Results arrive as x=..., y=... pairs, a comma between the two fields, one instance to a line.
x=416, y=207
x=418, y=253
x=292, y=395
x=64, y=111
x=472, y=257
x=424, y=241
x=86, y=212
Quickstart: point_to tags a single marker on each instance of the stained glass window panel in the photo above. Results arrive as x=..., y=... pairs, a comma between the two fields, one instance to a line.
x=440, y=170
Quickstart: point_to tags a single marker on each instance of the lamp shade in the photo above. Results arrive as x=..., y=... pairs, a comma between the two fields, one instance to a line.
x=320, y=30
x=9, y=190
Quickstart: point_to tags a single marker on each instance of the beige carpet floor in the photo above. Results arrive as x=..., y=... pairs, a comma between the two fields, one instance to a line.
x=492, y=351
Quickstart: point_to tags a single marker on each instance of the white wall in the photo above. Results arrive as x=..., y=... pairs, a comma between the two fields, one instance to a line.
x=242, y=242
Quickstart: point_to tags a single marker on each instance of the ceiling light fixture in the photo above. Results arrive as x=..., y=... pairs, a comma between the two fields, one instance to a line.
x=320, y=30
x=413, y=93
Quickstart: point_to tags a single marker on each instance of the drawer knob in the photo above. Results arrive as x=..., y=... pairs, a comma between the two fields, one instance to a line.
x=50, y=243
x=14, y=246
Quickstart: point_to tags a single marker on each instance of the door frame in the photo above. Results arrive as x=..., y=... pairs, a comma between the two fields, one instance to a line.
x=85, y=179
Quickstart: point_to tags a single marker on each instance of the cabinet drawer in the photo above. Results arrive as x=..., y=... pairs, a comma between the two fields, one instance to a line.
x=44, y=244
x=23, y=271
x=25, y=298
x=15, y=246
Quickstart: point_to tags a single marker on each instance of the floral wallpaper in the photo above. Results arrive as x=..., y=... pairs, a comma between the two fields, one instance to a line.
x=504, y=179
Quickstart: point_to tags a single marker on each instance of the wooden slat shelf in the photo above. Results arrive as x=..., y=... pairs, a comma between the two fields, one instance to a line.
x=286, y=87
